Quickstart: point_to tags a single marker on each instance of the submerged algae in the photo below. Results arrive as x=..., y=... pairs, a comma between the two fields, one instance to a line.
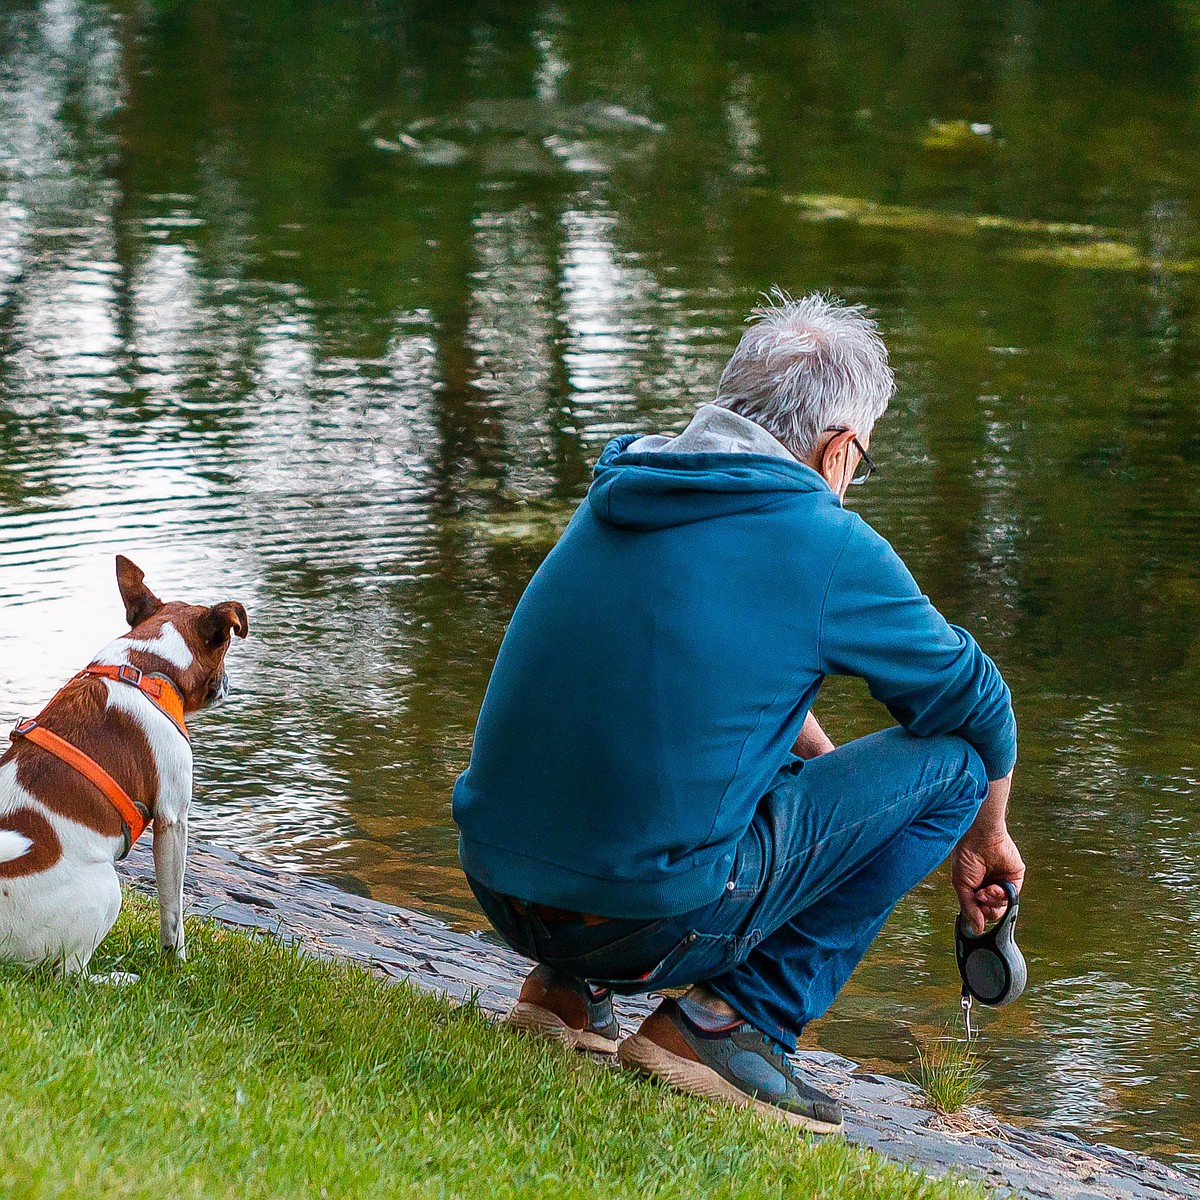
x=528, y=524
x=1072, y=244
x=824, y=207
x=1102, y=256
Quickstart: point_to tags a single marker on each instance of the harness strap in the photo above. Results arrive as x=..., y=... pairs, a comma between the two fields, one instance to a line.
x=134, y=817
x=161, y=691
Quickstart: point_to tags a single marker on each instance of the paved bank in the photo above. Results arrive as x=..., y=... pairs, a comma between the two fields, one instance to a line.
x=882, y=1112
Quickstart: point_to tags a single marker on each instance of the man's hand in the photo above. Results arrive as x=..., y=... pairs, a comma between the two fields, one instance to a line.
x=986, y=857
x=979, y=867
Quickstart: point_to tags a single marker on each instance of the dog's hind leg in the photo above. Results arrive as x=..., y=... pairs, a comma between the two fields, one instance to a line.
x=91, y=915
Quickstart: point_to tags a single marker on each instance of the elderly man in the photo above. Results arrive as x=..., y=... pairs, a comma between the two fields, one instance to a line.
x=650, y=801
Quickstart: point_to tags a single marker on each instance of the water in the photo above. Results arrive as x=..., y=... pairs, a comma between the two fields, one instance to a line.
x=329, y=312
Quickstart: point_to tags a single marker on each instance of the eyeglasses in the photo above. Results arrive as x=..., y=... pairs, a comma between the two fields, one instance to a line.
x=865, y=468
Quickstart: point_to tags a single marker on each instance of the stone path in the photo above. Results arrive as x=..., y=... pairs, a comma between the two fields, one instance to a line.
x=882, y=1112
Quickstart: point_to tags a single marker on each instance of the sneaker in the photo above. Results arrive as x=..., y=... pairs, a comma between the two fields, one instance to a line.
x=735, y=1065
x=566, y=1010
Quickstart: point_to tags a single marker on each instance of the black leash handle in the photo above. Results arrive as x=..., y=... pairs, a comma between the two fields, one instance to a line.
x=992, y=966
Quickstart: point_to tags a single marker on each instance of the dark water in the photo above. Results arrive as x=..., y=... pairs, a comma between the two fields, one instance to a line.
x=328, y=308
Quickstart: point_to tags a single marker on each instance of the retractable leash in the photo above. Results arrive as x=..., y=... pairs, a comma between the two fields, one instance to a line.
x=991, y=965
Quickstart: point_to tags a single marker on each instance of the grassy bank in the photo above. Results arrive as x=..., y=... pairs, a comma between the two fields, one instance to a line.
x=253, y=1071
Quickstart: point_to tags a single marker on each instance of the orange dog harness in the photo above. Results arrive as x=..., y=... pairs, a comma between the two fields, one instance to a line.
x=163, y=694
x=162, y=691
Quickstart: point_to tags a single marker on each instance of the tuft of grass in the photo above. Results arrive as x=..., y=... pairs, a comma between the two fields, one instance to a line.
x=949, y=1073
x=256, y=1070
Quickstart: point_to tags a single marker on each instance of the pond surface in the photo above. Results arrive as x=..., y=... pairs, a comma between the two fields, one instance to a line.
x=329, y=308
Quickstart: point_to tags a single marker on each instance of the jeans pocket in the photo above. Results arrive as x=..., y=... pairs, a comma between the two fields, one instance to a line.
x=747, y=878
x=695, y=957
x=624, y=955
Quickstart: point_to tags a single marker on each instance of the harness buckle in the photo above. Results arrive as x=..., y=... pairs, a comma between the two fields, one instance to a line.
x=128, y=674
x=22, y=727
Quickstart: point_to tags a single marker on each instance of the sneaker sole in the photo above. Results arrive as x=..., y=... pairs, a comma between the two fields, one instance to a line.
x=541, y=1022
x=640, y=1054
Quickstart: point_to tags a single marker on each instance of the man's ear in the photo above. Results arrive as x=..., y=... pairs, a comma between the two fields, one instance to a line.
x=834, y=459
x=224, y=619
x=140, y=602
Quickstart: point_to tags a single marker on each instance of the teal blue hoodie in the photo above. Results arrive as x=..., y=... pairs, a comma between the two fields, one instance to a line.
x=661, y=662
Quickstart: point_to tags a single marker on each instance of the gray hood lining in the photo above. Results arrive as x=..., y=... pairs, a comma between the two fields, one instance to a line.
x=715, y=430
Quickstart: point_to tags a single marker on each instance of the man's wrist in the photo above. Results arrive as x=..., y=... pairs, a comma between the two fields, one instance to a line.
x=986, y=834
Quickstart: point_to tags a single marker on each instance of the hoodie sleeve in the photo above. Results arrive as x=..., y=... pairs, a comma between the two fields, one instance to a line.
x=931, y=675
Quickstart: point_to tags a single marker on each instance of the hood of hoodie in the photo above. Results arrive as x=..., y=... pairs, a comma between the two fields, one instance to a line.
x=721, y=464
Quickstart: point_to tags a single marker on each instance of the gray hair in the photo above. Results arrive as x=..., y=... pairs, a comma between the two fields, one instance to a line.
x=804, y=365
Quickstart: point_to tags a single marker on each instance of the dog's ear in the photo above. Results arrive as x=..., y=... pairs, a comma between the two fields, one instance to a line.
x=140, y=602
x=224, y=619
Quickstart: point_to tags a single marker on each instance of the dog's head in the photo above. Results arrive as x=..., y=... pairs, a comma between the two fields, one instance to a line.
x=185, y=642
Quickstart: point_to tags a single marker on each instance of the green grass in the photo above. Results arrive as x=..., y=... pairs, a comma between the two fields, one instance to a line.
x=950, y=1074
x=254, y=1071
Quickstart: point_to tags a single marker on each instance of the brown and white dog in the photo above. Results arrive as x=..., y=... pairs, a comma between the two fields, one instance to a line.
x=60, y=833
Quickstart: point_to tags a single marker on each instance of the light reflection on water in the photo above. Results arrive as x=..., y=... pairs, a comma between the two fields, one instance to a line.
x=255, y=339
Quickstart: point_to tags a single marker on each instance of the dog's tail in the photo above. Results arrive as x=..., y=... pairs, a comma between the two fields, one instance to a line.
x=12, y=845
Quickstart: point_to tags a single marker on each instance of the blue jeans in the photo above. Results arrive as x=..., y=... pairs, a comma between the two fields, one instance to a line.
x=833, y=846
